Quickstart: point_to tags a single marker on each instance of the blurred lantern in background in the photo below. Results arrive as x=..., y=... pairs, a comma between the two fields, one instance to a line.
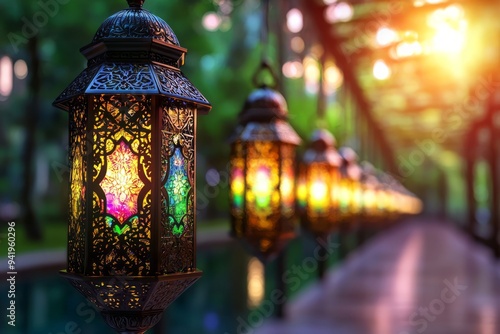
x=318, y=184
x=369, y=189
x=262, y=180
x=131, y=237
x=350, y=198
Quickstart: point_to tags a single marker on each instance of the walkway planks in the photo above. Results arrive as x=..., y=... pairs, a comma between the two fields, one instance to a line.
x=419, y=277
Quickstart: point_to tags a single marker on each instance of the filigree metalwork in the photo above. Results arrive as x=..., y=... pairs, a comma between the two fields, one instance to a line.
x=78, y=171
x=131, y=248
x=131, y=323
x=134, y=23
x=132, y=303
x=262, y=174
x=123, y=77
x=77, y=87
x=122, y=56
x=118, y=119
x=178, y=154
x=174, y=83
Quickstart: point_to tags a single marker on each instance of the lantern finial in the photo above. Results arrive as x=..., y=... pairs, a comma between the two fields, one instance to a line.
x=135, y=3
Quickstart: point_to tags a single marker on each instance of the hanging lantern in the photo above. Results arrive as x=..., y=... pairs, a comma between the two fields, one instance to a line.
x=350, y=187
x=369, y=186
x=318, y=195
x=132, y=114
x=262, y=177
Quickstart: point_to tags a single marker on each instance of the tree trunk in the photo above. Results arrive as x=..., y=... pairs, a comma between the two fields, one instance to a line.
x=32, y=111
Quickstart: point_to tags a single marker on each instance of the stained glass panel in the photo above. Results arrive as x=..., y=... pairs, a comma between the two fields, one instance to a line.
x=237, y=187
x=177, y=187
x=262, y=179
x=121, y=184
x=177, y=173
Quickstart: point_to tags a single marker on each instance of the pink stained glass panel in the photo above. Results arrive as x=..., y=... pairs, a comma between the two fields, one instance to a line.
x=122, y=183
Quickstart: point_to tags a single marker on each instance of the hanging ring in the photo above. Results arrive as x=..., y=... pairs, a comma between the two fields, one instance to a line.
x=258, y=79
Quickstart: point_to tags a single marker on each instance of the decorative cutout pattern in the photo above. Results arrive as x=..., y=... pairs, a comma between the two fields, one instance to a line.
x=173, y=82
x=132, y=304
x=78, y=172
x=178, y=181
x=79, y=85
x=132, y=23
x=123, y=77
x=116, y=248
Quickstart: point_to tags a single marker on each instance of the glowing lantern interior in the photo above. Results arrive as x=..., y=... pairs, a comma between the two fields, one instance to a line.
x=238, y=187
x=121, y=185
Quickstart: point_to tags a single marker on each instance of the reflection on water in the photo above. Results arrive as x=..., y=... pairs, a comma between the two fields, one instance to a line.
x=255, y=282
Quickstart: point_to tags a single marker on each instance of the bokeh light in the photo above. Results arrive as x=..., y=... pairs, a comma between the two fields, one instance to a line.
x=20, y=69
x=333, y=78
x=339, y=12
x=381, y=71
x=293, y=69
x=212, y=177
x=386, y=36
x=450, y=28
x=294, y=20
x=255, y=282
x=297, y=44
x=311, y=74
x=211, y=21
x=6, y=77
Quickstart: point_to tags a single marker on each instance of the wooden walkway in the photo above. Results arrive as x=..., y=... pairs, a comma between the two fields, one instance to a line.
x=419, y=277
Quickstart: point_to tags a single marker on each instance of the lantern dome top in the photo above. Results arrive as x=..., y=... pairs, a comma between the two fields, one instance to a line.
x=134, y=52
x=348, y=154
x=264, y=118
x=264, y=105
x=136, y=22
x=322, y=149
x=322, y=139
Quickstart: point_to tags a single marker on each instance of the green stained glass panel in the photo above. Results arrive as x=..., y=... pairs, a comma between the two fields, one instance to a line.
x=177, y=187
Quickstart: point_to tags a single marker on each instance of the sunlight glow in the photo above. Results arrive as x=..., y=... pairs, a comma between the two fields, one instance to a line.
x=381, y=70
x=408, y=49
x=450, y=28
x=386, y=36
x=339, y=12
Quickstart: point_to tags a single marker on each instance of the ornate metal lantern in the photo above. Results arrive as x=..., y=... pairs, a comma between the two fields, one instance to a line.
x=370, y=184
x=262, y=177
x=318, y=185
x=132, y=113
x=350, y=186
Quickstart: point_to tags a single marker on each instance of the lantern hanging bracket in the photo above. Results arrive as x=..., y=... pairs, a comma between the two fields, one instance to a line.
x=259, y=78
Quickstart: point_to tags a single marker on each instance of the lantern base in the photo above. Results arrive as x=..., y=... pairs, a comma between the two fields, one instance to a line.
x=266, y=249
x=132, y=304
